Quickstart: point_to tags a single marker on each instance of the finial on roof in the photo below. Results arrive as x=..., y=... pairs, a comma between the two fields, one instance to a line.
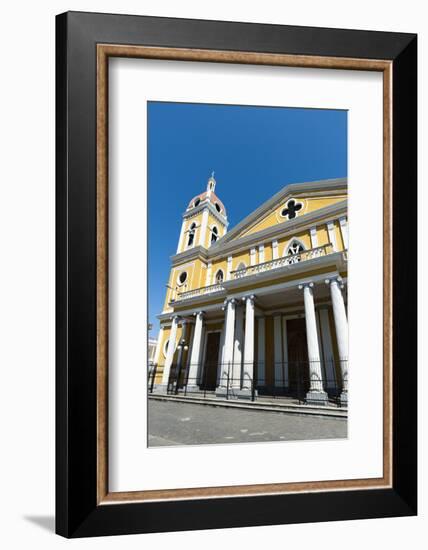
x=211, y=183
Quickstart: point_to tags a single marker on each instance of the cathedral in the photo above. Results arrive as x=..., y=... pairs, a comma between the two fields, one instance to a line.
x=260, y=310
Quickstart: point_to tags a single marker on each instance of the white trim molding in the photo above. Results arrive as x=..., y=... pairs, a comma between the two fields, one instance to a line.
x=344, y=231
x=275, y=253
x=314, y=237
x=332, y=235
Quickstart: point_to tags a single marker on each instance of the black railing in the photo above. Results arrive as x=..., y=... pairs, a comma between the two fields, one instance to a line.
x=299, y=381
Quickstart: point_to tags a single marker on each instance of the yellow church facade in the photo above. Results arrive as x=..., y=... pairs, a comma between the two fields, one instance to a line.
x=260, y=309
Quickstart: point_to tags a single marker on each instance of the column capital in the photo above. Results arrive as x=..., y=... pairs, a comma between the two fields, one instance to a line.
x=304, y=285
x=199, y=313
x=337, y=280
x=228, y=301
x=175, y=317
x=250, y=297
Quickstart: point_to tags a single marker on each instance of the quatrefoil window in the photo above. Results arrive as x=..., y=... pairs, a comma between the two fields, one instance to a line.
x=291, y=209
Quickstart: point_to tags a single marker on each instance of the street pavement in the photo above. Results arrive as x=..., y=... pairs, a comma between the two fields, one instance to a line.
x=193, y=424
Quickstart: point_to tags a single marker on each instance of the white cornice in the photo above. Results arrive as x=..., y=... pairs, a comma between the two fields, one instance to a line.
x=202, y=206
x=282, y=195
x=328, y=213
x=287, y=228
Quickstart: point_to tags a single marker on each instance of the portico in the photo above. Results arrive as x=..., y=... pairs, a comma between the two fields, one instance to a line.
x=305, y=351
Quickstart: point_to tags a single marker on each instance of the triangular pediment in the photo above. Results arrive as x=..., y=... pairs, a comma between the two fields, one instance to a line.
x=291, y=202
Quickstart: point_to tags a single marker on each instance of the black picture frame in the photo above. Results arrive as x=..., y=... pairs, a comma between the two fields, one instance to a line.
x=77, y=511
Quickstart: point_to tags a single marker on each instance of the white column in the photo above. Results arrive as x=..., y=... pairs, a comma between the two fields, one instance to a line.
x=275, y=250
x=261, y=253
x=196, y=353
x=341, y=325
x=248, y=374
x=253, y=259
x=344, y=231
x=238, y=347
x=278, y=360
x=229, y=267
x=226, y=367
x=204, y=225
x=314, y=237
x=316, y=390
x=261, y=369
x=208, y=276
x=327, y=346
x=171, y=350
x=332, y=235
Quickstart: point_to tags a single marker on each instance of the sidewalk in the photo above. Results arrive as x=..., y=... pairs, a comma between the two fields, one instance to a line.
x=280, y=404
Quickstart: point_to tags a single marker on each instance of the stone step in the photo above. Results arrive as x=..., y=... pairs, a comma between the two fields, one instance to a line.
x=268, y=406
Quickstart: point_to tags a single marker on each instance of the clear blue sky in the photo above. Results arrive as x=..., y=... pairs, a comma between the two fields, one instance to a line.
x=254, y=152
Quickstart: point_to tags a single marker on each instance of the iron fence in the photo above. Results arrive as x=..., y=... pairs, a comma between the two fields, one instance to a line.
x=298, y=381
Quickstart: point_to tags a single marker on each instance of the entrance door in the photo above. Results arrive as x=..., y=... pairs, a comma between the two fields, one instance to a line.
x=209, y=373
x=298, y=365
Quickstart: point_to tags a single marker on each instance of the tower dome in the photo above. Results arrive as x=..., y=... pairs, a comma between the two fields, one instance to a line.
x=209, y=196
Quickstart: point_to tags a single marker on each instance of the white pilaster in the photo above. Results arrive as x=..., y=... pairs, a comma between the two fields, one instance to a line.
x=314, y=237
x=275, y=253
x=261, y=370
x=261, y=253
x=253, y=259
x=226, y=367
x=238, y=347
x=204, y=225
x=341, y=326
x=248, y=373
x=278, y=359
x=327, y=347
x=229, y=267
x=181, y=344
x=158, y=347
x=196, y=353
x=285, y=352
x=332, y=235
x=180, y=240
x=171, y=350
x=344, y=231
x=316, y=390
x=221, y=352
x=208, y=275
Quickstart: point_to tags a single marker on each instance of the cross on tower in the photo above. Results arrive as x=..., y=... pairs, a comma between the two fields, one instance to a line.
x=292, y=208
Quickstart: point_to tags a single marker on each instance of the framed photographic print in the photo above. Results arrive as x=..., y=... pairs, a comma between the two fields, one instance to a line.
x=236, y=317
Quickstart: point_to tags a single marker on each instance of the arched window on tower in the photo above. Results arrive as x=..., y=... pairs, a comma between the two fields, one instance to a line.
x=191, y=237
x=219, y=277
x=293, y=252
x=214, y=234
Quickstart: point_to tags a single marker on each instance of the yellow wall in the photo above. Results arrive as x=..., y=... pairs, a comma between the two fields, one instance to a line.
x=321, y=202
x=309, y=205
x=212, y=221
x=216, y=265
x=268, y=252
x=322, y=235
x=241, y=257
x=339, y=239
x=303, y=236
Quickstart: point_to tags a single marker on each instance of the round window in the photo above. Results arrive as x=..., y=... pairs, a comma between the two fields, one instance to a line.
x=197, y=202
x=182, y=277
x=218, y=207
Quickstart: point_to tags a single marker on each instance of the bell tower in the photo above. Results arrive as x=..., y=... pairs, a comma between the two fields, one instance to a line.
x=204, y=221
